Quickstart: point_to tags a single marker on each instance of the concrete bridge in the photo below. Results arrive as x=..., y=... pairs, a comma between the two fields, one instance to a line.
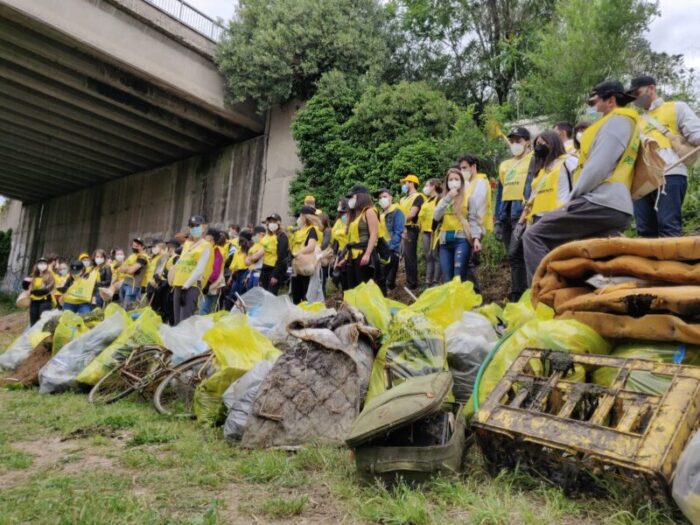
x=114, y=123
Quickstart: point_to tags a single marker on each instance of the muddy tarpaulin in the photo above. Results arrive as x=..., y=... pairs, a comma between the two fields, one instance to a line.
x=315, y=389
x=641, y=288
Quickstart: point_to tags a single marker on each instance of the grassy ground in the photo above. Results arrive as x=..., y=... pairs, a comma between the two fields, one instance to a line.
x=63, y=461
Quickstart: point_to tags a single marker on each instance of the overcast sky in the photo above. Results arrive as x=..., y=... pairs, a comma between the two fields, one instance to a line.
x=675, y=31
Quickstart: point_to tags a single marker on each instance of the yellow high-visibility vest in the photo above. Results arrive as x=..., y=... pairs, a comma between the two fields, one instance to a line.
x=545, y=188
x=624, y=171
x=665, y=115
x=407, y=203
x=339, y=234
x=512, y=174
x=354, y=236
x=269, y=243
x=38, y=283
x=425, y=215
x=191, y=253
x=383, y=231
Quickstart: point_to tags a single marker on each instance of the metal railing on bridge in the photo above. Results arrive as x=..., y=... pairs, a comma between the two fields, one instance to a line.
x=191, y=17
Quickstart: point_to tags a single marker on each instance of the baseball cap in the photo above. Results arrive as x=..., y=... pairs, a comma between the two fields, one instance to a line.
x=274, y=217
x=641, y=81
x=307, y=210
x=83, y=256
x=608, y=89
x=138, y=240
x=382, y=190
x=310, y=198
x=357, y=188
x=411, y=177
x=519, y=131
x=196, y=220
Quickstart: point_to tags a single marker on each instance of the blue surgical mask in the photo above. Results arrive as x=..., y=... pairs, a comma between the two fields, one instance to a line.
x=404, y=188
x=196, y=231
x=344, y=219
x=592, y=114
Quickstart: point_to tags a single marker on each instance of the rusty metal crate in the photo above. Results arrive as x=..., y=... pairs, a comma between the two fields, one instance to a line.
x=581, y=436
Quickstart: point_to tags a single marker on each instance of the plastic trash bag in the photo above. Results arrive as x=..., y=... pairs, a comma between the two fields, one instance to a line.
x=648, y=382
x=314, y=292
x=517, y=314
x=493, y=312
x=312, y=307
x=560, y=335
x=144, y=331
x=368, y=299
x=59, y=374
x=445, y=304
x=239, y=398
x=237, y=347
x=20, y=349
x=186, y=339
x=413, y=346
x=686, y=481
x=70, y=326
x=468, y=342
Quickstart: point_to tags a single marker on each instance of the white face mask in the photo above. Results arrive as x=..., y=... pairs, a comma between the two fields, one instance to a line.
x=99, y=260
x=579, y=135
x=427, y=190
x=256, y=238
x=155, y=250
x=352, y=202
x=384, y=202
x=42, y=267
x=592, y=114
x=300, y=221
x=517, y=149
x=63, y=271
x=273, y=227
x=119, y=257
x=466, y=173
x=454, y=184
x=86, y=263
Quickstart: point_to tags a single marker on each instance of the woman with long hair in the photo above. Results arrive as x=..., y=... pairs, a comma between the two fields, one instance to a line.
x=432, y=191
x=40, y=287
x=104, y=274
x=304, y=243
x=363, y=233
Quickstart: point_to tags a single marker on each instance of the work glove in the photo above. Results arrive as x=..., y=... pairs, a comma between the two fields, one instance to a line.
x=498, y=231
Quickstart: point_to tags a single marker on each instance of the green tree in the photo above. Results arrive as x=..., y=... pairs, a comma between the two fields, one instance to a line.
x=378, y=137
x=273, y=51
x=587, y=42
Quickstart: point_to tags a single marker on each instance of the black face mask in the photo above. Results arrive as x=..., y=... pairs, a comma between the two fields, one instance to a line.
x=541, y=151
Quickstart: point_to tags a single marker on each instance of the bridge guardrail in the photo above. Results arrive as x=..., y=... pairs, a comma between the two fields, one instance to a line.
x=191, y=17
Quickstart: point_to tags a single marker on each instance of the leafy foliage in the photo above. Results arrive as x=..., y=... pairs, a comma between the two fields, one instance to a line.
x=377, y=137
x=5, y=246
x=691, y=206
x=276, y=51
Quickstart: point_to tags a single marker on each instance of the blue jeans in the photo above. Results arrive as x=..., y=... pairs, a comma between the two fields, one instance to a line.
x=667, y=221
x=80, y=309
x=129, y=295
x=207, y=304
x=454, y=259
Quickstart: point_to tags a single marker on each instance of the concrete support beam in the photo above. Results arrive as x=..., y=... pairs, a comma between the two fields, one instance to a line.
x=65, y=176
x=49, y=158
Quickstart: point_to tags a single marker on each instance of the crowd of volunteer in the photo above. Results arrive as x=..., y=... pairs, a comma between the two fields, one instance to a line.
x=570, y=182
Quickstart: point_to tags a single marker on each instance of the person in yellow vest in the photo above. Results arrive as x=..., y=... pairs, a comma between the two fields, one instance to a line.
x=239, y=268
x=391, y=227
x=164, y=295
x=60, y=277
x=553, y=182
x=432, y=192
x=339, y=239
x=269, y=244
x=216, y=281
x=410, y=206
x=280, y=272
x=363, y=233
x=255, y=258
x=578, y=135
x=192, y=270
x=600, y=203
x=40, y=287
x=86, y=261
x=104, y=274
x=131, y=274
x=478, y=189
x=310, y=201
x=78, y=291
x=155, y=277
x=510, y=193
x=566, y=134
x=306, y=238
x=659, y=213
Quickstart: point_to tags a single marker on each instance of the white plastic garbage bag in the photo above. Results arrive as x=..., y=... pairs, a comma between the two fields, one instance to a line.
x=468, y=342
x=239, y=398
x=60, y=372
x=686, y=481
x=185, y=339
x=22, y=347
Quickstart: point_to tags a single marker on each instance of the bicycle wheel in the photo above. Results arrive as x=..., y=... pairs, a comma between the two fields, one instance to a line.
x=174, y=396
x=138, y=371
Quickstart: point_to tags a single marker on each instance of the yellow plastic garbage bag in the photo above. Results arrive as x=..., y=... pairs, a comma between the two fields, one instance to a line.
x=647, y=382
x=493, y=312
x=517, y=314
x=560, y=335
x=413, y=346
x=312, y=307
x=237, y=347
x=70, y=325
x=143, y=331
x=446, y=303
x=368, y=299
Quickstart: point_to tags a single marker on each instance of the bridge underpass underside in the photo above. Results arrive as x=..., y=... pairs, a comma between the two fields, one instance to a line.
x=89, y=93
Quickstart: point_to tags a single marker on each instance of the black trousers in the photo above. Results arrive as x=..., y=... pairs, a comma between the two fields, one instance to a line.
x=516, y=261
x=410, y=256
x=300, y=285
x=387, y=274
x=266, y=276
x=36, y=308
x=359, y=274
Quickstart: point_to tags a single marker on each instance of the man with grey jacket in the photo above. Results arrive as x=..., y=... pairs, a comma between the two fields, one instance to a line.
x=600, y=203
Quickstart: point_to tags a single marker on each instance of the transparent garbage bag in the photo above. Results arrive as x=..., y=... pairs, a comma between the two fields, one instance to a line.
x=239, y=398
x=20, y=349
x=60, y=373
x=686, y=481
x=187, y=338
